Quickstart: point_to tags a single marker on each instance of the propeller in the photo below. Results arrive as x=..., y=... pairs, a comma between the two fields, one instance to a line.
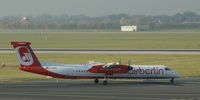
x=129, y=62
x=120, y=61
x=129, y=65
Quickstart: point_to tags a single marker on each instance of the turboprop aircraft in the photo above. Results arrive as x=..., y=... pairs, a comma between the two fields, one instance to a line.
x=93, y=70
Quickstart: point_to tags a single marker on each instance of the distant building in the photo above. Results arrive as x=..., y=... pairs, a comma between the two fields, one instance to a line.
x=135, y=28
x=129, y=28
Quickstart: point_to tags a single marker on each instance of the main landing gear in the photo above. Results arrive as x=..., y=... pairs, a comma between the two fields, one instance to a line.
x=96, y=80
x=105, y=81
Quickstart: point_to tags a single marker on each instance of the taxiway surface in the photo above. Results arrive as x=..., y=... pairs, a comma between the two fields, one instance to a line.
x=183, y=89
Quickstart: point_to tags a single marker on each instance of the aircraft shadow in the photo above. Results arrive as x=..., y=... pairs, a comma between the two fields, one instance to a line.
x=116, y=83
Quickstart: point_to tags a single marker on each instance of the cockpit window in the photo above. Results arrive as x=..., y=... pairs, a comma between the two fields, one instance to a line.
x=166, y=68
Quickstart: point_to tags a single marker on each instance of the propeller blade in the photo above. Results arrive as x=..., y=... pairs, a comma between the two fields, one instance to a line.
x=129, y=62
x=120, y=61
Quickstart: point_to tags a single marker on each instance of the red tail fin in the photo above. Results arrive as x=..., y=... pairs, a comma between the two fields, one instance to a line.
x=25, y=55
x=28, y=60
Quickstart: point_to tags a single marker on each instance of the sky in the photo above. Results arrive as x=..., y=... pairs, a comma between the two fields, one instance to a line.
x=97, y=7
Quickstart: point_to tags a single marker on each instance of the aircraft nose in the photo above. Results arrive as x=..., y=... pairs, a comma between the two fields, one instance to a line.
x=177, y=74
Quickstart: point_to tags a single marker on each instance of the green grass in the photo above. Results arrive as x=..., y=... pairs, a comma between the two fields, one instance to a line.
x=103, y=40
x=186, y=65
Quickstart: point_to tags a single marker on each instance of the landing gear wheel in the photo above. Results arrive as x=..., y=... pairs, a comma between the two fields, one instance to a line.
x=172, y=80
x=96, y=81
x=105, y=82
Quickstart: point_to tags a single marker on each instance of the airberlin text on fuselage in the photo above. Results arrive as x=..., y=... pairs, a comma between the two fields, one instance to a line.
x=154, y=71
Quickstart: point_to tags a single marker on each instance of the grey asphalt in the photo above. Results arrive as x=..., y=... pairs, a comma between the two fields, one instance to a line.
x=182, y=89
x=117, y=51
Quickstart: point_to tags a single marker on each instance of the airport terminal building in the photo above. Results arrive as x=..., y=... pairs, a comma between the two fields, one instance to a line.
x=135, y=28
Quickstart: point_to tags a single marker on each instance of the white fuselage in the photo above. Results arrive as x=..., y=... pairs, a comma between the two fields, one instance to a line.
x=138, y=71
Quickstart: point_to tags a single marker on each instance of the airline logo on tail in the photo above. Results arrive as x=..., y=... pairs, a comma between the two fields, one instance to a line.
x=24, y=55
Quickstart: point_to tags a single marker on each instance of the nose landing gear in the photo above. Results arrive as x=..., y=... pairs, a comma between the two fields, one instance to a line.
x=172, y=80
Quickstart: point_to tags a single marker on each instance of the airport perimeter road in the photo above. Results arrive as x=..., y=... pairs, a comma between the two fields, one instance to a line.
x=117, y=51
x=183, y=89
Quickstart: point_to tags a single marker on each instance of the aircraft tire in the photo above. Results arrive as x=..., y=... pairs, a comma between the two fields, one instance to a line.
x=105, y=82
x=172, y=80
x=96, y=81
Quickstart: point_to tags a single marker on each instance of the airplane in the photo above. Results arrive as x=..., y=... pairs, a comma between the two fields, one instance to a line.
x=93, y=70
